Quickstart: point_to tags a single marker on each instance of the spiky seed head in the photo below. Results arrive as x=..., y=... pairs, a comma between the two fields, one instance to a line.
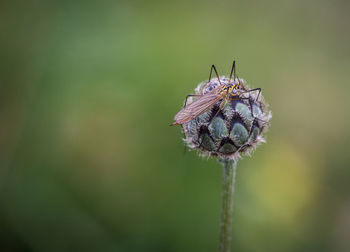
x=234, y=130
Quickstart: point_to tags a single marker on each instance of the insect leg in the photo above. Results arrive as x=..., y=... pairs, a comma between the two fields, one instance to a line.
x=216, y=72
x=252, y=90
x=233, y=70
x=251, y=111
x=211, y=70
x=250, y=105
x=190, y=95
x=237, y=98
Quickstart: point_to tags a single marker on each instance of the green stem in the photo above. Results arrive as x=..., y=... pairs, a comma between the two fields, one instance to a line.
x=228, y=182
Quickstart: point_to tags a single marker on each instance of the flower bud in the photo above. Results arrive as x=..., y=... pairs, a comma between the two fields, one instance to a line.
x=230, y=127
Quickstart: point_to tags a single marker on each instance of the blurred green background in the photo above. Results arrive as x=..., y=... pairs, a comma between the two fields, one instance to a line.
x=89, y=163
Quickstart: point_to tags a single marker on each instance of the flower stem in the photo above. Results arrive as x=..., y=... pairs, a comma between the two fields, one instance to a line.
x=228, y=182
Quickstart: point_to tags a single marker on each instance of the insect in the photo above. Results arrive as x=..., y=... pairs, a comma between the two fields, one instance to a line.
x=228, y=90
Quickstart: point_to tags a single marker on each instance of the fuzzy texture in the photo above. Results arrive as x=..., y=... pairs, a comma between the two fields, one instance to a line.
x=234, y=130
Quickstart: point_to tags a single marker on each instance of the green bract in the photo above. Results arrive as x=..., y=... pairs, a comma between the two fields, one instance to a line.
x=237, y=128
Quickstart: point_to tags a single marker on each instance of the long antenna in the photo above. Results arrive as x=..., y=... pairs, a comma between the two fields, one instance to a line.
x=233, y=70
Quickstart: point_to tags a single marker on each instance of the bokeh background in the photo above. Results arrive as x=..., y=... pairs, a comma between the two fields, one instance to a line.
x=89, y=163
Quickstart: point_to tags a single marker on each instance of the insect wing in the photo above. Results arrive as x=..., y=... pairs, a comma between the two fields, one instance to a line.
x=196, y=108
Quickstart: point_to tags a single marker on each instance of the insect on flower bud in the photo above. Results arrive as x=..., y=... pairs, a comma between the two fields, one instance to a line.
x=224, y=118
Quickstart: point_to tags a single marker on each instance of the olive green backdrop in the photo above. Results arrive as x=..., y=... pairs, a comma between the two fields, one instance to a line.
x=89, y=163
